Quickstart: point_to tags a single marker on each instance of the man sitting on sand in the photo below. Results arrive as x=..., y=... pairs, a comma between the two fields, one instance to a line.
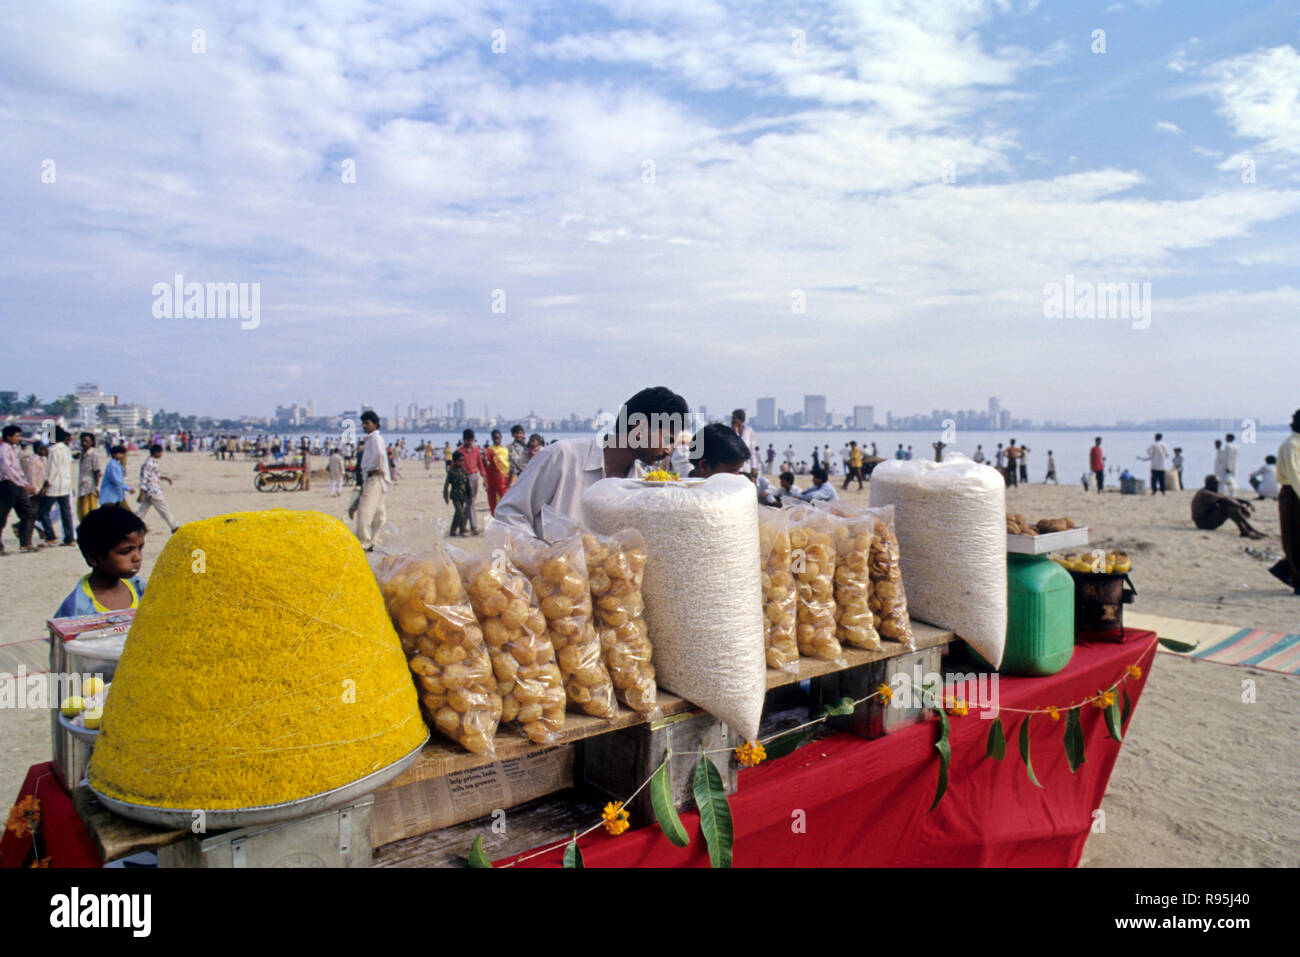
x=1210, y=509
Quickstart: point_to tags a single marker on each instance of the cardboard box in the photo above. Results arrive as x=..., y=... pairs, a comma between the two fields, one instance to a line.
x=405, y=810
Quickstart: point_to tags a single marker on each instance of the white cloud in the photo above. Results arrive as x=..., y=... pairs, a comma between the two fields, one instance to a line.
x=1164, y=126
x=1259, y=95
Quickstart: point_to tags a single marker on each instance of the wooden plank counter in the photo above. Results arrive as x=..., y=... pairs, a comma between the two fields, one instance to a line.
x=118, y=837
x=441, y=757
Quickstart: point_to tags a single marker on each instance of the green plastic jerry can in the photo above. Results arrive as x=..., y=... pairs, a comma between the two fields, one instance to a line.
x=1040, y=616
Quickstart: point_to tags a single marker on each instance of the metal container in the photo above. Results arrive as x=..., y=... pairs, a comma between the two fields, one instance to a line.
x=82, y=656
x=334, y=838
x=1099, y=600
x=267, y=813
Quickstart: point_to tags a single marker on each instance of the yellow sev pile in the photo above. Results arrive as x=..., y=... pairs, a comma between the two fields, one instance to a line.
x=262, y=667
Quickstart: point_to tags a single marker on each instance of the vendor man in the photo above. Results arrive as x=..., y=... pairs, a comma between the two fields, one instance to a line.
x=643, y=433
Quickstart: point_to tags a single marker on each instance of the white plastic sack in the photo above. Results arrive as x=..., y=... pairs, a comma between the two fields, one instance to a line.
x=950, y=518
x=702, y=587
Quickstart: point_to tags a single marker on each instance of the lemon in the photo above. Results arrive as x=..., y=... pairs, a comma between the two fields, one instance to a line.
x=92, y=686
x=71, y=707
x=92, y=717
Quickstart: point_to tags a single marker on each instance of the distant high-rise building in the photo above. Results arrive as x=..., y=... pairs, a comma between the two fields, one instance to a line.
x=814, y=411
x=766, y=416
x=1004, y=419
x=458, y=409
x=864, y=417
x=994, y=411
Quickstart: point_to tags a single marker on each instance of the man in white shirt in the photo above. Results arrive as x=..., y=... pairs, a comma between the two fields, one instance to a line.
x=822, y=490
x=1229, y=481
x=755, y=464
x=644, y=432
x=788, y=457
x=1157, y=455
x=58, y=481
x=1264, y=479
x=788, y=489
x=375, y=475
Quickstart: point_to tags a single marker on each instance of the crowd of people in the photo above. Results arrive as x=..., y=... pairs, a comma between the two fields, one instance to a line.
x=53, y=485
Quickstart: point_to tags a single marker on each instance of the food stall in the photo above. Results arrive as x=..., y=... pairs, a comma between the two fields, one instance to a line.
x=680, y=680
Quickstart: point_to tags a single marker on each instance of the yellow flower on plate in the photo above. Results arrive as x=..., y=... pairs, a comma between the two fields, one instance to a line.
x=661, y=475
x=750, y=754
x=1134, y=671
x=1053, y=713
x=615, y=818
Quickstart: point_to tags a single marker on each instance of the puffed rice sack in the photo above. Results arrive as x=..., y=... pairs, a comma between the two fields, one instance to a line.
x=950, y=518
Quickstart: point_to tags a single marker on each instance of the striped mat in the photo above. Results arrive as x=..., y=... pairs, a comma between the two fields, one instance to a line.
x=1269, y=650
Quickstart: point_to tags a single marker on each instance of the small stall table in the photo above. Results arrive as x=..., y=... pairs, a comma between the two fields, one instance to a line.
x=845, y=801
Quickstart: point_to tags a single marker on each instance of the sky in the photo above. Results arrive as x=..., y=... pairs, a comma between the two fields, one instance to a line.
x=546, y=206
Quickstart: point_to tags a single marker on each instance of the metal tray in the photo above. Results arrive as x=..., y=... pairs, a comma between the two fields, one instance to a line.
x=218, y=820
x=88, y=735
x=1047, y=542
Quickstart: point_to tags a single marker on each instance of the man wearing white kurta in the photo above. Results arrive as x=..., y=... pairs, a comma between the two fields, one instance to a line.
x=374, y=470
x=644, y=432
x=1228, y=485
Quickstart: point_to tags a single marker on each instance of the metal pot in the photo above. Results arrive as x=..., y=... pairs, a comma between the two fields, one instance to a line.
x=1099, y=600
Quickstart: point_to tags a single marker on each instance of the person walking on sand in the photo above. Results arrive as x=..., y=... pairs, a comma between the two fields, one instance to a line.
x=855, y=465
x=1158, y=456
x=1097, y=462
x=1230, y=450
x=58, y=487
x=151, y=493
x=1013, y=457
x=1051, y=470
x=473, y=465
x=375, y=476
x=335, y=470
x=15, y=493
x=1288, y=506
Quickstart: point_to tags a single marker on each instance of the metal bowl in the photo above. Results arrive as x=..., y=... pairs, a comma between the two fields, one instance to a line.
x=218, y=820
x=80, y=732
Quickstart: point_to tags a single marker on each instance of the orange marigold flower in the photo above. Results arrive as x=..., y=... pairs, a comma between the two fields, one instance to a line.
x=957, y=706
x=1134, y=671
x=885, y=692
x=750, y=754
x=43, y=862
x=1053, y=713
x=615, y=818
x=1104, y=700
x=24, y=816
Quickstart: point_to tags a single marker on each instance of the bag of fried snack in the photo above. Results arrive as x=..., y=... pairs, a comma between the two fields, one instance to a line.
x=812, y=561
x=558, y=572
x=888, y=600
x=780, y=603
x=514, y=629
x=444, y=645
x=854, y=619
x=615, y=566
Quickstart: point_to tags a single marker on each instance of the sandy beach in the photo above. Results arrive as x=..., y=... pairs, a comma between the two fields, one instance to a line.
x=1203, y=779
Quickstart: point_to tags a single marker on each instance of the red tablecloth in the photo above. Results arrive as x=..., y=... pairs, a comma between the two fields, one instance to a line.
x=62, y=836
x=864, y=803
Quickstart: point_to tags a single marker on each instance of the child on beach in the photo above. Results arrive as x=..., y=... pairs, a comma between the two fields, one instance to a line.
x=113, y=489
x=455, y=491
x=111, y=540
x=151, y=494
